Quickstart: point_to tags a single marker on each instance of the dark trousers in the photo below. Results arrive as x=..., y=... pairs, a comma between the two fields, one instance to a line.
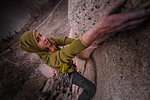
x=89, y=89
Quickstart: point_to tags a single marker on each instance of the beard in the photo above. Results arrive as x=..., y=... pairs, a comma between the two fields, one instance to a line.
x=53, y=48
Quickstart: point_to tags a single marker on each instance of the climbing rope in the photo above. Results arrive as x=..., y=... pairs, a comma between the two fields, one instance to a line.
x=12, y=47
x=49, y=17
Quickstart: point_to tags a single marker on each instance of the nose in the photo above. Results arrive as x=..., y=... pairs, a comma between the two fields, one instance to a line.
x=43, y=38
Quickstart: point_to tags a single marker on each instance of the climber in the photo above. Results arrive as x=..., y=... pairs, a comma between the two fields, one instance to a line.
x=61, y=59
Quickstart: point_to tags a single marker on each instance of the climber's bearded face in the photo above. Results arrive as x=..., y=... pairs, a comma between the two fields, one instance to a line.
x=44, y=42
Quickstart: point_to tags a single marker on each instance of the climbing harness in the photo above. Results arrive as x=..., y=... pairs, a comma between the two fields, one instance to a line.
x=66, y=78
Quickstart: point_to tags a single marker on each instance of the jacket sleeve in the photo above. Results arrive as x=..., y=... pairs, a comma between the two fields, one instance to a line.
x=61, y=41
x=64, y=55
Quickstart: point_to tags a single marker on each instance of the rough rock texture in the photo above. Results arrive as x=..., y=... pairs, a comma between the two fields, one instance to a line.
x=122, y=62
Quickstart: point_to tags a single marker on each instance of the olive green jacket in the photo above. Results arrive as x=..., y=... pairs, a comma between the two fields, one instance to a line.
x=60, y=58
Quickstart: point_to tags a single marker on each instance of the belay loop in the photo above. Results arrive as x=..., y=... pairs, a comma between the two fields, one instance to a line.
x=72, y=66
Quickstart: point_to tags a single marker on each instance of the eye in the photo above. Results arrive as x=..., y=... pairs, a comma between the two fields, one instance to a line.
x=40, y=34
x=38, y=39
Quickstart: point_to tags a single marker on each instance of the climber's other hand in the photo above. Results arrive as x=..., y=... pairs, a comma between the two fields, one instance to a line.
x=112, y=22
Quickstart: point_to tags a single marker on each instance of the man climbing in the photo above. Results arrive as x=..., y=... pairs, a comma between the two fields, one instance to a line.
x=61, y=59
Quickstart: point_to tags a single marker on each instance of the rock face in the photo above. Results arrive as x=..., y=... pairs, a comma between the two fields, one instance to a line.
x=120, y=66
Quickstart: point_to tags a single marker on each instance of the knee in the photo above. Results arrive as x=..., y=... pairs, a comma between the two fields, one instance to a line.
x=92, y=90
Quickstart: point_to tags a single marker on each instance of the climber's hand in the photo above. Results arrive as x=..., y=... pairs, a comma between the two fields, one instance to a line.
x=114, y=22
x=111, y=22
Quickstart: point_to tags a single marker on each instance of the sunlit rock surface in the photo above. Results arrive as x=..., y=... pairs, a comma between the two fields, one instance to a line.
x=120, y=66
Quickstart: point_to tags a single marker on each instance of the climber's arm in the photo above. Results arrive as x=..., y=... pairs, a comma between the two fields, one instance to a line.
x=64, y=55
x=61, y=41
x=111, y=22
